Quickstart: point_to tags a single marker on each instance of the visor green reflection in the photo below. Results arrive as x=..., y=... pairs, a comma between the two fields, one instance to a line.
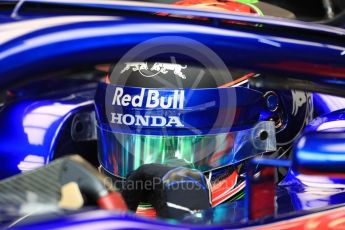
x=123, y=153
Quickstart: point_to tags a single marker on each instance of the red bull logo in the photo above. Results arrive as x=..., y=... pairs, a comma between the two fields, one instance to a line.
x=153, y=99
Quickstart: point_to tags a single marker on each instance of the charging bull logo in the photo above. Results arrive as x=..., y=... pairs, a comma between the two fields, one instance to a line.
x=157, y=68
x=164, y=68
x=135, y=66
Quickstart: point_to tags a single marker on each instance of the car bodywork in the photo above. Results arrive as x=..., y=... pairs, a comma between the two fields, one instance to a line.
x=39, y=37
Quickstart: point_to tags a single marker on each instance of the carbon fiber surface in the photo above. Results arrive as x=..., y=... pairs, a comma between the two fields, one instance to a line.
x=40, y=186
x=39, y=191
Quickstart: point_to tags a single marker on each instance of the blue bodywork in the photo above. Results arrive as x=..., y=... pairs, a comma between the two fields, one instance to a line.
x=87, y=33
x=30, y=139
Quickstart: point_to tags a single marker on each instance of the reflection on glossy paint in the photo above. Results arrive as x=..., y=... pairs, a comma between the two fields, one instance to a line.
x=328, y=103
x=21, y=28
x=337, y=223
x=115, y=30
x=311, y=200
x=333, y=102
x=37, y=121
x=332, y=126
x=31, y=162
x=270, y=42
x=319, y=181
x=336, y=148
x=35, y=135
x=329, y=219
x=327, y=156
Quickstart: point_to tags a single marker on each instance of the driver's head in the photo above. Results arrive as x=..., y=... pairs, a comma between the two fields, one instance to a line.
x=178, y=114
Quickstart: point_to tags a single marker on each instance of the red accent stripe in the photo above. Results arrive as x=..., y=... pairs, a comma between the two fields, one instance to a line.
x=228, y=194
x=308, y=68
x=222, y=187
x=245, y=77
x=262, y=194
x=112, y=201
x=329, y=219
x=146, y=212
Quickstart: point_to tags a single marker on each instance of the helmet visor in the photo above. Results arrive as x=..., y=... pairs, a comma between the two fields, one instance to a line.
x=122, y=153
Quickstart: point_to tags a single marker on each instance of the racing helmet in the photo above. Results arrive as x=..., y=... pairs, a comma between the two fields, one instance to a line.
x=216, y=121
x=179, y=114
